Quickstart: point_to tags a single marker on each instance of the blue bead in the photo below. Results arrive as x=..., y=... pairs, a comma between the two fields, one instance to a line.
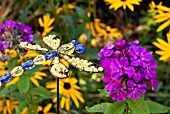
x=6, y=78
x=75, y=42
x=28, y=65
x=50, y=55
x=80, y=48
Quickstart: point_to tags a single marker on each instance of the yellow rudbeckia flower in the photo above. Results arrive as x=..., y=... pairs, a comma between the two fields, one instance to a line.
x=7, y=106
x=164, y=47
x=69, y=89
x=154, y=8
x=68, y=6
x=163, y=17
x=46, y=23
x=122, y=3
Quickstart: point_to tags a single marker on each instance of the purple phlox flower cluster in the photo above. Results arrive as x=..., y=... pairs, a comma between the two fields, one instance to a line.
x=12, y=32
x=128, y=68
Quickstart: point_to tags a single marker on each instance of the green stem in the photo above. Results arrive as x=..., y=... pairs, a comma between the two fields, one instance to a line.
x=127, y=109
x=126, y=18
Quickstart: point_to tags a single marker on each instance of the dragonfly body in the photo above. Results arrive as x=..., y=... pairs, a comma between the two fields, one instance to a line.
x=57, y=68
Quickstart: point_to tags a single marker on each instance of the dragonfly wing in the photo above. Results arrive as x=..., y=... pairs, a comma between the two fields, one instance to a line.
x=82, y=65
x=66, y=49
x=58, y=69
x=31, y=46
x=53, y=41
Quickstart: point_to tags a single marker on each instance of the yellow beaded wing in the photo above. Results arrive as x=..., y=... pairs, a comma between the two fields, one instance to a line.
x=32, y=46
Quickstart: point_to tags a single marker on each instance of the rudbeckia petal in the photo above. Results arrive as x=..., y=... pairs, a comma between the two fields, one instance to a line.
x=62, y=102
x=47, y=108
x=130, y=7
x=160, y=52
x=163, y=42
x=40, y=22
x=34, y=81
x=13, y=81
x=159, y=46
x=164, y=25
x=75, y=100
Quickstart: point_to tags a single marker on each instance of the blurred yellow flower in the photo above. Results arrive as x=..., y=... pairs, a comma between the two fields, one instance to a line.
x=45, y=24
x=164, y=47
x=163, y=17
x=101, y=30
x=119, y=3
x=154, y=8
x=46, y=109
x=7, y=106
x=95, y=27
x=34, y=79
x=64, y=6
x=69, y=89
x=13, y=53
x=3, y=69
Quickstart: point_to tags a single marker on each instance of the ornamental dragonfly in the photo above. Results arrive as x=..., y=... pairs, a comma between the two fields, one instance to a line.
x=64, y=51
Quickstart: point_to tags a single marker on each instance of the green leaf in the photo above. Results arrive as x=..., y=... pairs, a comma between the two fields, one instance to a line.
x=41, y=91
x=12, y=63
x=82, y=13
x=156, y=108
x=103, y=92
x=21, y=106
x=24, y=83
x=71, y=28
x=138, y=106
x=116, y=108
x=8, y=89
x=79, y=30
x=99, y=107
x=91, y=53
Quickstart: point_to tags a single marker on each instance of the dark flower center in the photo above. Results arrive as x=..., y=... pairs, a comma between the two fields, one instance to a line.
x=41, y=29
x=123, y=0
x=156, y=8
x=67, y=85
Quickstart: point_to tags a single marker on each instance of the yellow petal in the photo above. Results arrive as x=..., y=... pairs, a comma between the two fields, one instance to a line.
x=162, y=19
x=160, y=52
x=40, y=22
x=78, y=95
x=164, y=25
x=51, y=85
x=75, y=100
x=161, y=15
x=164, y=8
x=34, y=81
x=38, y=77
x=130, y=7
x=54, y=99
x=159, y=46
x=39, y=108
x=62, y=102
x=73, y=80
x=41, y=74
x=67, y=104
x=13, y=81
x=50, y=22
x=162, y=42
x=47, y=108
x=165, y=57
